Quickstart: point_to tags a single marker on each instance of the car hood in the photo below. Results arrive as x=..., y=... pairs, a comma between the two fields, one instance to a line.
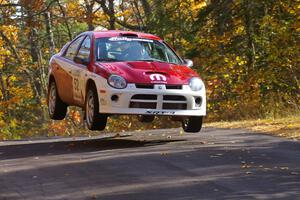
x=148, y=72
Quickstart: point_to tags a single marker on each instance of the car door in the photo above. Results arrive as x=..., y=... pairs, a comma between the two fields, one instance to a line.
x=63, y=74
x=79, y=71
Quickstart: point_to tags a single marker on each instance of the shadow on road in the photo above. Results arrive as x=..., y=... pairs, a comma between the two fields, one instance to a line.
x=65, y=147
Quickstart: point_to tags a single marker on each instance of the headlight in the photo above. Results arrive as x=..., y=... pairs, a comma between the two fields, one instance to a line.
x=116, y=81
x=196, y=84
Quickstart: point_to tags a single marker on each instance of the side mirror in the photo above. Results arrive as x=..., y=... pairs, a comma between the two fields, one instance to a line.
x=81, y=61
x=189, y=63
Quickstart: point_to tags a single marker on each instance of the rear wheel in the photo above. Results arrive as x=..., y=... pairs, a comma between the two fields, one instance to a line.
x=56, y=107
x=94, y=120
x=146, y=118
x=192, y=124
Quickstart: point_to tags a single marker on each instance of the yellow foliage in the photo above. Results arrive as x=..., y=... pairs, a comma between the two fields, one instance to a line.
x=59, y=128
x=13, y=123
x=13, y=78
x=10, y=31
x=196, y=5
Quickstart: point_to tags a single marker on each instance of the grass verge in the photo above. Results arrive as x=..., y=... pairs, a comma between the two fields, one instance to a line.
x=285, y=127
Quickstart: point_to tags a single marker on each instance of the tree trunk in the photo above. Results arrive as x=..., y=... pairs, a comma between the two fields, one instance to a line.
x=89, y=14
x=63, y=12
x=251, y=51
x=112, y=17
x=110, y=11
x=49, y=33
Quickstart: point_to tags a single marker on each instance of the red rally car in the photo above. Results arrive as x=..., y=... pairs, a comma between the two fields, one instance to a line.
x=120, y=72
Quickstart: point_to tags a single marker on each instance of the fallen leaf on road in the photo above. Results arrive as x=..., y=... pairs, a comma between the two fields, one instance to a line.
x=245, y=166
x=284, y=168
x=267, y=169
x=216, y=155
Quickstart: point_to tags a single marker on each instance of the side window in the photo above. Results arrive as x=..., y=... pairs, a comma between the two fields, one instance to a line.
x=84, y=51
x=72, y=49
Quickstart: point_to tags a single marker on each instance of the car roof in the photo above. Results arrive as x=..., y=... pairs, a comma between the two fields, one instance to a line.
x=116, y=33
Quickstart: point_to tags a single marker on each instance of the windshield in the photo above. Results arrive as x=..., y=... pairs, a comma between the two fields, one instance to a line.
x=116, y=49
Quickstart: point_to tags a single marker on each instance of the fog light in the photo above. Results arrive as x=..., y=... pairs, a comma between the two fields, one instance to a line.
x=114, y=98
x=198, y=101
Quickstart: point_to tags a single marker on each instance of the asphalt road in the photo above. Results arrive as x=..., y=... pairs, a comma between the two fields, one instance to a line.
x=154, y=165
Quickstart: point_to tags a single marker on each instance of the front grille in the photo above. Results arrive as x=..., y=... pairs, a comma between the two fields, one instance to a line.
x=150, y=101
x=175, y=106
x=143, y=101
x=142, y=105
x=144, y=86
x=174, y=98
x=173, y=87
x=145, y=96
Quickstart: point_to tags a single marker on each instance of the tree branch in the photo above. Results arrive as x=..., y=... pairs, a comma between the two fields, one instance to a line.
x=9, y=5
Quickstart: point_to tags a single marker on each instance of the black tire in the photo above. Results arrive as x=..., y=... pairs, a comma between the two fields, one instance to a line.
x=192, y=124
x=146, y=118
x=94, y=120
x=57, y=109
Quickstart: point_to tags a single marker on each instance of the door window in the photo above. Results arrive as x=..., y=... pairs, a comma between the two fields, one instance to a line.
x=72, y=49
x=84, y=51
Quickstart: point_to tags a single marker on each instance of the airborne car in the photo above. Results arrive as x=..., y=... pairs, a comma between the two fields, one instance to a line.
x=120, y=72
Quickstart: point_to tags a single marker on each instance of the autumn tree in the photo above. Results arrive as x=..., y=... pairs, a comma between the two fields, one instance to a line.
x=247, y=51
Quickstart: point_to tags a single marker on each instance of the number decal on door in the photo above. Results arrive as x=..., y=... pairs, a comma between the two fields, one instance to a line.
x=76, y=84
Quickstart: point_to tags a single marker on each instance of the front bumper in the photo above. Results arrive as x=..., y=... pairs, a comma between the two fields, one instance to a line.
x=158, y=100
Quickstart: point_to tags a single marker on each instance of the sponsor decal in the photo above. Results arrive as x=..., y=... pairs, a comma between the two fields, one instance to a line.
x=128, y=39
x=77, y=95
x=158, y=78
x=160, y=112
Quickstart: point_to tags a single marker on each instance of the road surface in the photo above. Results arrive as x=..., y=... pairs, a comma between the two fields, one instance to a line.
x=152, y=165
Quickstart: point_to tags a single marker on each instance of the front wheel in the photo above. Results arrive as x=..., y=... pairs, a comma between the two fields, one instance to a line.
x=192, y=124
x=94, y=120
